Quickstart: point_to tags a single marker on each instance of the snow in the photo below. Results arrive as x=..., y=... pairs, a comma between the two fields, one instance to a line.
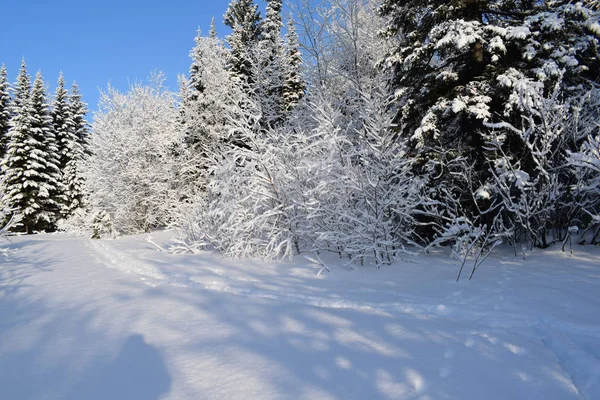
x=119, y=319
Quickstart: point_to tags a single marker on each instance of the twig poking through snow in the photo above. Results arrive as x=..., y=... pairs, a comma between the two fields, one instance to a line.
x=154, y=244
x=317, y=260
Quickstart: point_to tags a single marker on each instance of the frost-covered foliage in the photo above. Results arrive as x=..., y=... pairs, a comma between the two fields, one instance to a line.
x=243, y=17
x=307, y=187
x=130, y=174
x=5, y=113
x=210, y=100
x=493, y=82
x=585, y=162
x=30, y=165
x=9, y=219
x=294, y=85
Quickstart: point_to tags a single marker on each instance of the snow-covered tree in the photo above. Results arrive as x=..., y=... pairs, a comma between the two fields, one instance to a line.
x=585, y=164
x=9, y=220
x=65, y=136
x=50, y=188
x=31, y=163
x=5, y=114
x=212, y=33
x=270, y=71
x=78, y=112
x=209, y=103
x=129, y=175
x=466, y=70
x=78, y=150
x=294, y=84
x=243, y=17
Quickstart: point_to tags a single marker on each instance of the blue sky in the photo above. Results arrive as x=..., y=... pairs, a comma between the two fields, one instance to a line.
x=94, y=42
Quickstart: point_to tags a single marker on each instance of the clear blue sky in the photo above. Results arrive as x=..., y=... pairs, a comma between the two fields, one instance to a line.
x=97, y=41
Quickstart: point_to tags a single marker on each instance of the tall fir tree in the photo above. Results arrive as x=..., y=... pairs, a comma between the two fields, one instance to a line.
x=212, y=33
x=15, y=163
x=473, y=77
x=46, y=164
x=243, y=17
x=270, y=66
x=31, y=163
x=66, y=141
x=5, y=104
x=294, y=85
x=80, y=149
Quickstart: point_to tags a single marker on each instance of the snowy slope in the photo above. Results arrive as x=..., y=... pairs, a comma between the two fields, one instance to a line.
x=118, y=319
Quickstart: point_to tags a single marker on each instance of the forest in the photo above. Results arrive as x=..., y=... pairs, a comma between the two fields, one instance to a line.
x=370, y=129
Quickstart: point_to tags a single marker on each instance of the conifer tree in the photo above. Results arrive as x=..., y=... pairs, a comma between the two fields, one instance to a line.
x=294, y=86
x=31, y=163
x=213, y=30
x=473, y=79
x=15, y=164
x=80, y=150
x=47, y=166
x=270, y=68
x=63, y=125
x=66, y=141
x=5, y=104
x=243, y=18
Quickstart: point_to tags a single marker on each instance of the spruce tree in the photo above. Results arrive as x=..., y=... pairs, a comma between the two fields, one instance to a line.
x=243, y=18
x=5, y=104
x=15, y=164
x=294, y=86
x=46, y=159
x=472, y=77
x=66, y=141
x=270, y=66
x=31, y=163
x=80, y=150
x=213, y=30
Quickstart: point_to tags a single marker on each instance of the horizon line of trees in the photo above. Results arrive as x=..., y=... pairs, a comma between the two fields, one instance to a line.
x=370, y=128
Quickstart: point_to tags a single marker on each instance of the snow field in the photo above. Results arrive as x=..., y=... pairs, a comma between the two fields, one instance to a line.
x=119, y=319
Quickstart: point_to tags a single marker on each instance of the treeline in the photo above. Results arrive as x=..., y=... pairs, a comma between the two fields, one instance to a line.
x=366, y=128
x=41, y=147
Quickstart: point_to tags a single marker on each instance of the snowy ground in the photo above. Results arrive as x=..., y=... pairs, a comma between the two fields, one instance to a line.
x=82, y=319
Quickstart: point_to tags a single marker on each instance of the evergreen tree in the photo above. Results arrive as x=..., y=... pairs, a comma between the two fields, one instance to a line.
x=66, y=140
x=459, y=64
x=270, y=68
x=15, y=164
x=5, y=104
x=63, y=125
x=294, y=86
x=473, y=79
x=213, y=30
x=31, y=163
x=210, y=99
x=79, y=151
x=49, y=178
x=243, y=18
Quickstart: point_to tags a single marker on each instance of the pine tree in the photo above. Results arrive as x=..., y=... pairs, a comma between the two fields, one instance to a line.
x=213, y=30
x=31, y=162
x=66, y=141
x=46, y=162
x=270, y=67
x=79, y=151
x=209, y=100
x=5, y=104
x=15, y=163
x=476, y=75
x=294, y=86
x=243, y=18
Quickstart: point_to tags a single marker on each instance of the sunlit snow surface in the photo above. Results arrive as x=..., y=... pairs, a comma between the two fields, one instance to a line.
x=118, y=319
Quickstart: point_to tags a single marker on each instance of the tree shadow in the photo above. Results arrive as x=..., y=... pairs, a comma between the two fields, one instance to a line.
x=138, y=372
